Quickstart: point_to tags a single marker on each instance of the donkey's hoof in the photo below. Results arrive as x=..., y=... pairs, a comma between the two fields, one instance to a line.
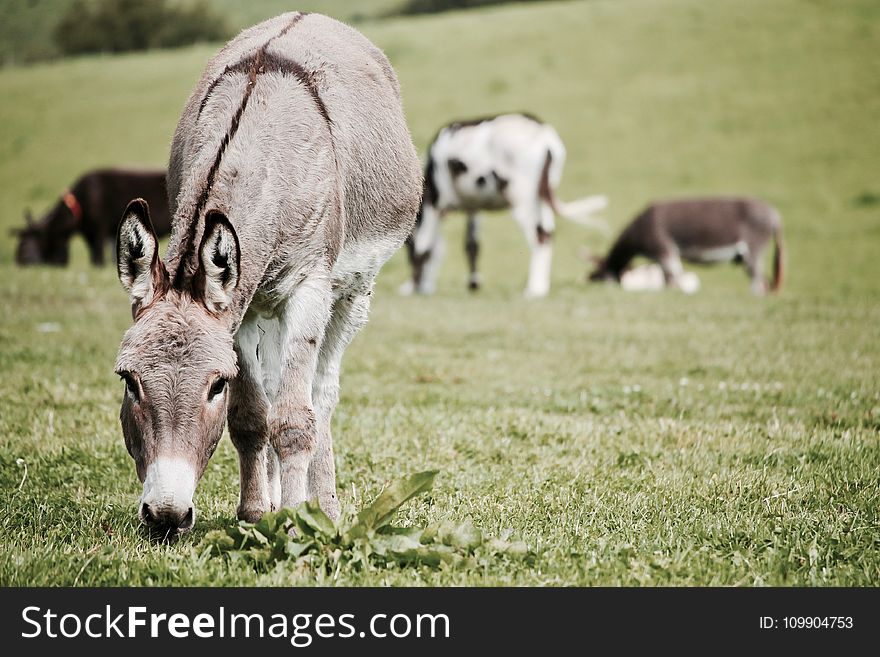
x=328, y=501
x=330, y=505
x=250, y=512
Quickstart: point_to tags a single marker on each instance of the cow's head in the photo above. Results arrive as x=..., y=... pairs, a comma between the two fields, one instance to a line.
x=39, y=243
x=476, y=181
x=175, y=360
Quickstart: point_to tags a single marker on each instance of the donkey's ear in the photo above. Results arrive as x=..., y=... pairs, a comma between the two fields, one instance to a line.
x=141, y=272
x=29, y=224
x=219, y=262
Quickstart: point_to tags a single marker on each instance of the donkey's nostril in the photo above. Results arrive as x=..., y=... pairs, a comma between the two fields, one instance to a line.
x=188, y=520
x=147, y=515
x=165, y=519
x=481, y=180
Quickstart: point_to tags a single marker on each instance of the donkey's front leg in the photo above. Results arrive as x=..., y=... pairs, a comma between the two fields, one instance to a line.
x=292, y=422
x=248, y=408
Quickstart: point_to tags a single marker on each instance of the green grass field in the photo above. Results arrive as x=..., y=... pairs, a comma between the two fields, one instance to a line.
x=27, y=26
x=634, y=439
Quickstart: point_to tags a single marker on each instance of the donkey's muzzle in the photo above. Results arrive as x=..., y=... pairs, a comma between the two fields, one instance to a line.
x=166, y=519
x=166, y=506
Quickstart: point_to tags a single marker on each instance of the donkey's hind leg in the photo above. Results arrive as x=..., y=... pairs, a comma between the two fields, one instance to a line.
x=670, y=263
x=97, y=247
x=348, y=316
x=754, y=264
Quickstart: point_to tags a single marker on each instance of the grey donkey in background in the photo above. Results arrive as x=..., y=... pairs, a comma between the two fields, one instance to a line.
x=701, y=230
x=292, y=179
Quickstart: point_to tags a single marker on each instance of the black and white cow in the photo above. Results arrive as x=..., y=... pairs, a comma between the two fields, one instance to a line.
x=509, y=161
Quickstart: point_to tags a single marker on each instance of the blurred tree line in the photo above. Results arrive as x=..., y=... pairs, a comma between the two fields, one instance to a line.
x=436, y=6
x=32, y=30
x=122, y=25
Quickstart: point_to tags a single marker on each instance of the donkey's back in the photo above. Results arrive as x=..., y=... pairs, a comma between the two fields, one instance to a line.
x=318, y=112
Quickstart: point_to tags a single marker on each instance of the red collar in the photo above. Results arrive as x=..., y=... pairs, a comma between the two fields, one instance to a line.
x=73, y=205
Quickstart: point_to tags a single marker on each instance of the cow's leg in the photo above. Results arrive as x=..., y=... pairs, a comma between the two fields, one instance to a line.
x=472, y=248
x=292, y=422
x=349, y=315
x=427, y=251
x=538, y=231
x=431, y=267
x=248, y=409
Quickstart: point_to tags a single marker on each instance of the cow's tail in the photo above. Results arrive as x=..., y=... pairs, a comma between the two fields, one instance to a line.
x=778, y=261
x=581, y=211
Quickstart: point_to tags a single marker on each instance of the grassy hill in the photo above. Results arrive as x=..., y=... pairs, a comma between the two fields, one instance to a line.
x=26, y=26
x=629, y=438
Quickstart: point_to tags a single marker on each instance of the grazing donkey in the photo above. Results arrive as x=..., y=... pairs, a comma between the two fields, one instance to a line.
x=701, y=230
x=510, y=161
x=292, y=179
x=91, y=208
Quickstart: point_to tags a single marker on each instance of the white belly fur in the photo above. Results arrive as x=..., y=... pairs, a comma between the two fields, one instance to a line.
x=261, y=337
x=718, y=254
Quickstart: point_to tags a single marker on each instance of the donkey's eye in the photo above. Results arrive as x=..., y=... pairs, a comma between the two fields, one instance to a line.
x=218, y=387
x=131, y=386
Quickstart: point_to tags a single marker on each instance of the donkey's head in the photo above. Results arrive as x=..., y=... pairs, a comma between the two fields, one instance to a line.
x=176, y=360
x=602, y=272
x=41, y=242
x=30, y=242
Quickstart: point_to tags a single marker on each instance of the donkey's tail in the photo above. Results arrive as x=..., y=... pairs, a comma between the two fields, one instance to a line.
x=580, y=211
x=778, y=261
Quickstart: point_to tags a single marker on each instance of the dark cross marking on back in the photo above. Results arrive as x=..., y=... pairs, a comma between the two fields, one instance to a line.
x=261, y=61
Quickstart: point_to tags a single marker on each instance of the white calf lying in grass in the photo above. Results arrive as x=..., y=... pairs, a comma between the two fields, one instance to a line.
x=649, y=278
